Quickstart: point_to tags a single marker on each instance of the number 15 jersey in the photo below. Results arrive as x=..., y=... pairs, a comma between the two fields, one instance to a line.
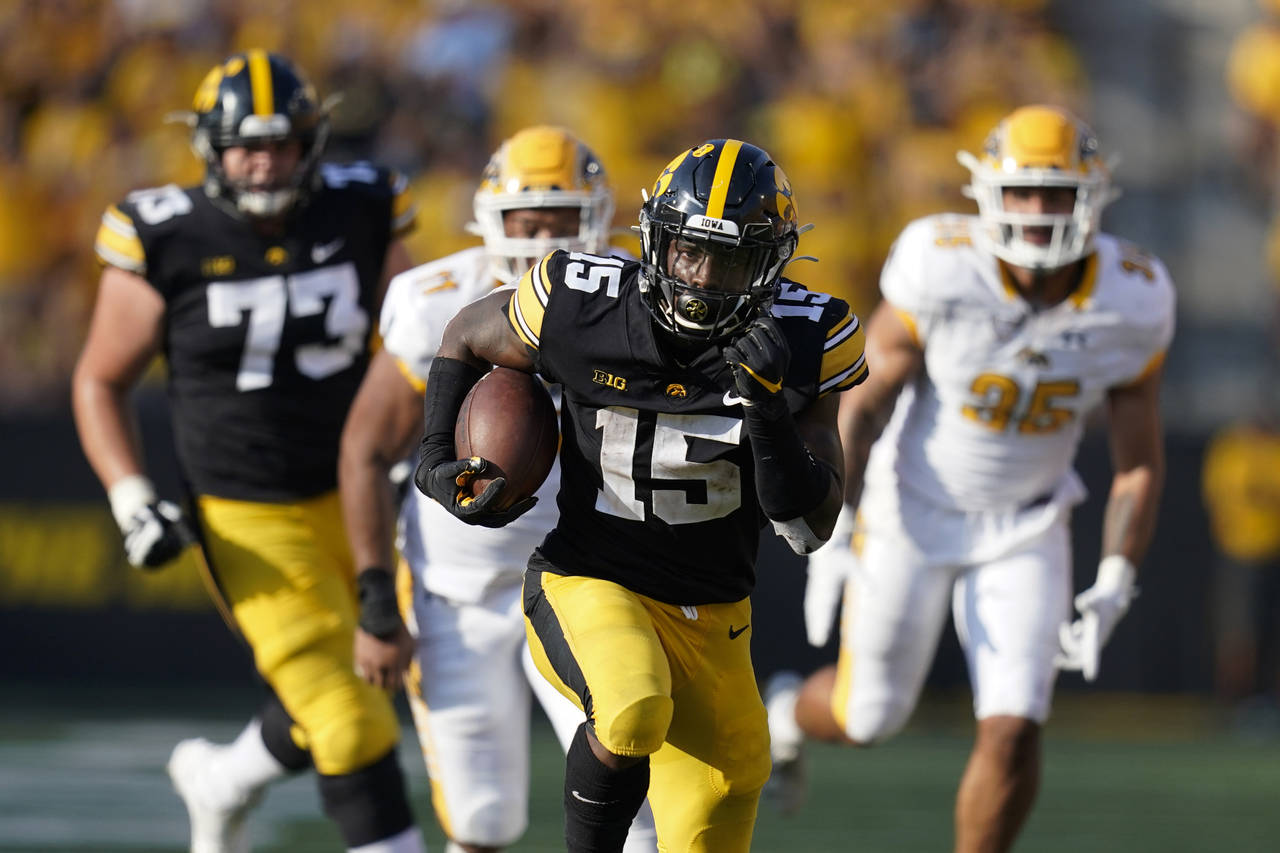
x=657, y=478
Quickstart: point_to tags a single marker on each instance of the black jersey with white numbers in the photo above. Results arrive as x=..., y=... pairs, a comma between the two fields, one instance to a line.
x=266, y=337
x=657, y=489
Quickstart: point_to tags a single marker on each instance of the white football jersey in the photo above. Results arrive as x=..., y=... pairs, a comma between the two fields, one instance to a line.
x=453, y=559
x=994, y=419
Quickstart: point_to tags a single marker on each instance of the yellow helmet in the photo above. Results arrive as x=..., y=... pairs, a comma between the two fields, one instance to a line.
x=541, y=167
x=1039, y=146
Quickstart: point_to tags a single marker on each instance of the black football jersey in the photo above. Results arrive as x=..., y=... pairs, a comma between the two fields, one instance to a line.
x=657, y=489
x=266, y=337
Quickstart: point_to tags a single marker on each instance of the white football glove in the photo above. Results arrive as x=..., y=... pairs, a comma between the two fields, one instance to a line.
x=829, y=567
x=1101, y=607
x=155, y=531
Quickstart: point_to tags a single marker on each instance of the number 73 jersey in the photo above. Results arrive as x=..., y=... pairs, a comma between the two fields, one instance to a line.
x=995, y=418
x=657, y=489
x=266, y=336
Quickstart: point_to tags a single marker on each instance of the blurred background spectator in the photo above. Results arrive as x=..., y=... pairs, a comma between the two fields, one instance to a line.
x=863, y=103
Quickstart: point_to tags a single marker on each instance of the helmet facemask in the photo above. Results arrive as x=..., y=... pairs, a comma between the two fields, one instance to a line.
x=510, y=257
x=747, y=266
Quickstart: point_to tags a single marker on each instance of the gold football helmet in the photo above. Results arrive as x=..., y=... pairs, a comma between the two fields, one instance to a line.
x=1039, y=146
x=541, y=167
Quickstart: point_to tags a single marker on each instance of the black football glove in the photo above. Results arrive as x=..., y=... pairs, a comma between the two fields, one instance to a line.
x=447, y=482
x=156, y=534
x=759, y=358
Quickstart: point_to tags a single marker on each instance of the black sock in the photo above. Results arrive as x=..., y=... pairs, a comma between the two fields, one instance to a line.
x=367, y=805
x=599, y=802
x=276, y=727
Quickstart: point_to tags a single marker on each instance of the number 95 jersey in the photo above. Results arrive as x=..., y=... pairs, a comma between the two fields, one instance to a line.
x=657, y=489
x=994, y=420
x=266, y=336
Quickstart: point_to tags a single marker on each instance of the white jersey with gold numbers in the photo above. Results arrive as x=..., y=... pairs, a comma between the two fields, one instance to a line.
x=993, y=421
x=451, y=558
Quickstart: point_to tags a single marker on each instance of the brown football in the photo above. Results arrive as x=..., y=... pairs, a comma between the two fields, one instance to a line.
x=509, y=419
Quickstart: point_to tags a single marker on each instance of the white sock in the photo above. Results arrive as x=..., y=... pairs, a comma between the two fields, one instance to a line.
x=408, y=841
x=244, y=766
x=785, y=736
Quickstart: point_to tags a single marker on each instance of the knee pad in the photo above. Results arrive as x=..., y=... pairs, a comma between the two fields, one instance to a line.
x=637, y=729
x=347, y=732
x=368, y=805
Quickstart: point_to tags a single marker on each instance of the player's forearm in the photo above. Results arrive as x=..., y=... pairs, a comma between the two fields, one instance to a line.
x=367, y=508
x=107, y=428
x=860, y=426
x=1130, y=519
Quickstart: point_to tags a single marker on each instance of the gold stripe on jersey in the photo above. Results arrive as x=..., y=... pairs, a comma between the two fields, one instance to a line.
x=723, y=176
x=1088, y=282
x=264, y=100
x=909, y=322
x=844, y=360
x=528, y=304
x=117, y=242
x=404, y=213
x=419, y=384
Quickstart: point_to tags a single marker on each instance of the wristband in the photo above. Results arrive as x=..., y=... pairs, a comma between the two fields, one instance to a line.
x=379, y=613
x=128, y=495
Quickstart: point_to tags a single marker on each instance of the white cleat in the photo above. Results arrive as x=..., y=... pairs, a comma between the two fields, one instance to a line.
x=217, y=823
x=787, y=783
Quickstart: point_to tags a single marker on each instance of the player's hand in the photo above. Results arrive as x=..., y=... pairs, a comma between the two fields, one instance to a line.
x=155, y=534
x=448, y=484
x=382, y=661
x=759, y=358
x=829, y=568
x=1101, y=607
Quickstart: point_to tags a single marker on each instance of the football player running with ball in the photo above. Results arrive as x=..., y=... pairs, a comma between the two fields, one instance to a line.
x=258, y=288
x=997, y=334
x=470, y=681
x=698, y=402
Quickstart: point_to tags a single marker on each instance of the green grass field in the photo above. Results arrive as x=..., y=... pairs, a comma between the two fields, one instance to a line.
x=83, y=771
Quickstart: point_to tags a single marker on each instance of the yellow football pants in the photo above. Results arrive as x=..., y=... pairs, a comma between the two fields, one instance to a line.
x=674, y=683
x=285, y=572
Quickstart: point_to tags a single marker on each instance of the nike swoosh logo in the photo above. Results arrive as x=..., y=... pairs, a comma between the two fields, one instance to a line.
x=733, y=635
x=322, y=252
x=578, y=796
x=732, y=399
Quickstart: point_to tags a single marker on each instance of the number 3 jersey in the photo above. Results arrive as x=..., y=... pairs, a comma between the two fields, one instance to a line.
x=994, y=419
x=657, y=478
x=266, y=337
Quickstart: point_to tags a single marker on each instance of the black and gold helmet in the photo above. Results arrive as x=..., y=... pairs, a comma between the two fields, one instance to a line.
x=252, y=98
x=726, y=198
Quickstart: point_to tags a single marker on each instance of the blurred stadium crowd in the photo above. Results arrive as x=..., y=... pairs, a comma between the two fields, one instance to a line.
x=864, y=104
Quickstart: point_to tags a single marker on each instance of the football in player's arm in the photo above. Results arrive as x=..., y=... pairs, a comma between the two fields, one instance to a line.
x=258, y=288
x=997, y=334
x=542, y=190
x=697, y=405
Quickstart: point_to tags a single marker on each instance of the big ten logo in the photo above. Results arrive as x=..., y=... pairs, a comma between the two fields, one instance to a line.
x=601, y=377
